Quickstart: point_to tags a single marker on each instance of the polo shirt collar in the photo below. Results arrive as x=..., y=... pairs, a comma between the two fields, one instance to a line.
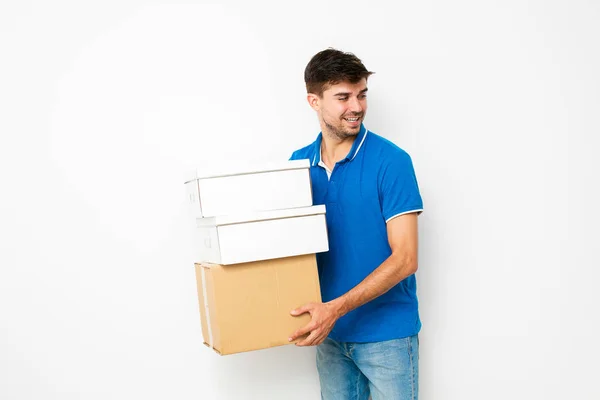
x=358, y=142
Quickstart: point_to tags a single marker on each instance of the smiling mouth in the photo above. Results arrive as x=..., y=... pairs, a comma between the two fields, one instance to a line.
x=353, y=119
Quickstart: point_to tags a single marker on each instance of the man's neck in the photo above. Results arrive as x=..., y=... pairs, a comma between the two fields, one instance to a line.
x=334, y=149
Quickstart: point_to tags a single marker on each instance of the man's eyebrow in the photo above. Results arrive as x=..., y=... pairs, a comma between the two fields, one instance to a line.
x=349, y=93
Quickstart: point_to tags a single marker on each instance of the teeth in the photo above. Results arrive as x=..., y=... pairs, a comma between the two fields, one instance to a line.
x=352, y=119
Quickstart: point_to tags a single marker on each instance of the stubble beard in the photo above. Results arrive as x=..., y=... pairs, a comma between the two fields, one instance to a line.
x=341, y=134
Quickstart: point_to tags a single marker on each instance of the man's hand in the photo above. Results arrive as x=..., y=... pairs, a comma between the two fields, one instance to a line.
x=323, y=317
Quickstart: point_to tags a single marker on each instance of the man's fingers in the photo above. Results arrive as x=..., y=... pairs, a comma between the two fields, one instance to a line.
x=319, y=340
x=301, y=310
x=309, y=340
x=301, y=332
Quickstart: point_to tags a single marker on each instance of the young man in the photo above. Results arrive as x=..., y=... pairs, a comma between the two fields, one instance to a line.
x=366, y=328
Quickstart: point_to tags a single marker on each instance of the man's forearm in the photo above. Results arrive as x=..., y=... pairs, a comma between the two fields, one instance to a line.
x=394, y=269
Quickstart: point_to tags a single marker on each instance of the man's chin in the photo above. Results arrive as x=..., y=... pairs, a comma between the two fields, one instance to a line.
x=346, y=134
x=353, y=131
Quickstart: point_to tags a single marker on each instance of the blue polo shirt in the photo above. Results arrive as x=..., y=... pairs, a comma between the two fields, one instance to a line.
x=373, y=184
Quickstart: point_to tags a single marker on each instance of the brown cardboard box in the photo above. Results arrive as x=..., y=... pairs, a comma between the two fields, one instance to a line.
x=247, y=306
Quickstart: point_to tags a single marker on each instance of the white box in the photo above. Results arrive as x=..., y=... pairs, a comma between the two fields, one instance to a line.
x=262, y=235
x=272, y=186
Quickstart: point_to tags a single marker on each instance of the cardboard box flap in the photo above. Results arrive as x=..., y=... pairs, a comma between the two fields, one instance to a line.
x=256, y=216
x=206, y=298
x=212, y=171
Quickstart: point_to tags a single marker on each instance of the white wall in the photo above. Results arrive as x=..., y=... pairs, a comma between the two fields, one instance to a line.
x=104, y=107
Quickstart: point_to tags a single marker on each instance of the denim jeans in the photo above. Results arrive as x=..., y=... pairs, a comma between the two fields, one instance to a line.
x=386, y=370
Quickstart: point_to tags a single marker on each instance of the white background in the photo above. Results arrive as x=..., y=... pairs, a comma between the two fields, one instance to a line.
x=104, y=107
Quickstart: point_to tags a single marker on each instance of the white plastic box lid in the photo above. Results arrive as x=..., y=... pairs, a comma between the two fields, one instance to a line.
x=217, y=171
x=256, y=216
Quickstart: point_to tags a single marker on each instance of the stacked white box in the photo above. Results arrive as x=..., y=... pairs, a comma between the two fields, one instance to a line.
x=255, y=214
x=262, y=235
x=231, y=191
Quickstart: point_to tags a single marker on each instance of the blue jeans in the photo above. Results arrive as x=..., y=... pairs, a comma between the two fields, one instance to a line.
x=386, y=370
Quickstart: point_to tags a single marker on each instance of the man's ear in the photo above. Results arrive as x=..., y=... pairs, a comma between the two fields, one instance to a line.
x=313, y=101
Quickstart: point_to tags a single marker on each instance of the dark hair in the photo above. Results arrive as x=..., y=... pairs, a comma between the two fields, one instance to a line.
x=331, y=66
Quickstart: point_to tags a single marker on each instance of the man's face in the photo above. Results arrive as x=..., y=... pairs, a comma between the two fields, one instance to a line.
x=342, y=108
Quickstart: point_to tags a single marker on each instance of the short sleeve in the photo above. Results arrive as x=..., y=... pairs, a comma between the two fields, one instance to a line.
x=295, y=155
x=398, y=188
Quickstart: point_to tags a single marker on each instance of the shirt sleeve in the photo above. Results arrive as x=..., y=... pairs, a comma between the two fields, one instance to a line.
x=399, y=189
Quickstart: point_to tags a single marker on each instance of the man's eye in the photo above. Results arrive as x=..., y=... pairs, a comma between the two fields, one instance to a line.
x=342, y=98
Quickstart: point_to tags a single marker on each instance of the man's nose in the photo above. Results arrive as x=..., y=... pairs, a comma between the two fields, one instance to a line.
x=355, y=105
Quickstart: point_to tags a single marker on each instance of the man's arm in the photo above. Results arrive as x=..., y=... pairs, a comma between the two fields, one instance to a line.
x=403, y=239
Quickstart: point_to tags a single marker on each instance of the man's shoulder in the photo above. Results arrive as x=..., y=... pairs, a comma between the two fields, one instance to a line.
x=386, y=149
x=305, y=152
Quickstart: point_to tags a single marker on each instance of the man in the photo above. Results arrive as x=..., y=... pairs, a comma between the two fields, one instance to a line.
x=366, y=328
